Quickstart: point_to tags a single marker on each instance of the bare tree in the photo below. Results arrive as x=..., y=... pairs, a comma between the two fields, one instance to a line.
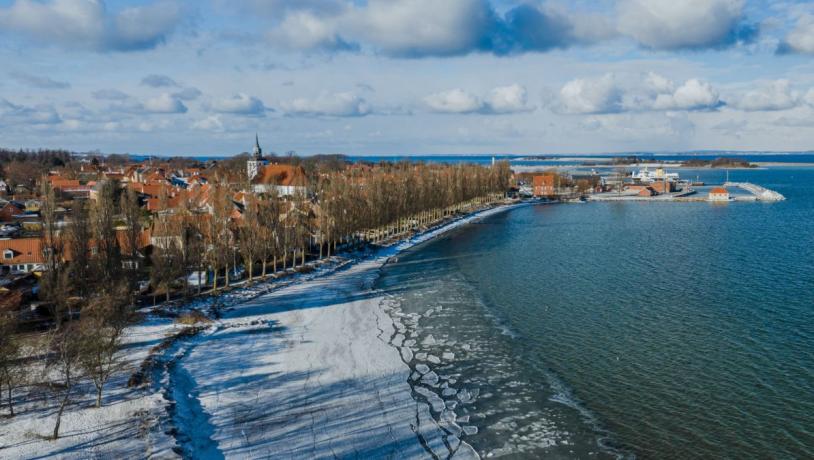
x=78, y=237
x=100, y=331
x=131, y=214
x=11, y=372
x=52, y=282
x=250, y=234
x=65, y=350
x=108, y=252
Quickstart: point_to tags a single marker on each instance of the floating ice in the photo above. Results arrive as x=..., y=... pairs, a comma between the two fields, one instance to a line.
x=447, y=356
x=435, y=401
x=451, y=405
x=429, y=340
x=449, y=392
x=422, y=368
x=433, y=359
x=398, y=339
x=431, y=378
x=470, y=430
x=406, y=354
x=453, y=441
x=421, y=356
x=415, y=376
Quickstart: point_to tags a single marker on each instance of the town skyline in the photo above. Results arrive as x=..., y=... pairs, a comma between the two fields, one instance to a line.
x=407, y=77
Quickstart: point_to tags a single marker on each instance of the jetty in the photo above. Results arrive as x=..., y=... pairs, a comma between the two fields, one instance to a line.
x=760, y=193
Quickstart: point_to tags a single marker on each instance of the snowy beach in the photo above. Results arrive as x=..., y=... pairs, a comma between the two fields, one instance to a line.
x=312, y=369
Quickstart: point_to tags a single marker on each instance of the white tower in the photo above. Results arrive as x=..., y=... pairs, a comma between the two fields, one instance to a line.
x=257, y=161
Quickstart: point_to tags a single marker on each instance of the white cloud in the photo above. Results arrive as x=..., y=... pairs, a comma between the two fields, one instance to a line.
x=778, y=95
x=345, y=104
x=692, y=95
x=453, y=101
x=684, y=24
x=210, y=123
x=612, y=93
x=501, y=100
x=239, y=104
x=585, y=95
x=801, y=37
x=305, y=30
x=165, y=103
x=420, y=28
x=87, y=24
x=508, y=99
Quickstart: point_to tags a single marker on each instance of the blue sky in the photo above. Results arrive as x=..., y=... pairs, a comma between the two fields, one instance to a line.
x=406, y=76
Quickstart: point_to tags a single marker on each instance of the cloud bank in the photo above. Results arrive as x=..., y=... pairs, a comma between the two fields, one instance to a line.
x=88, y=24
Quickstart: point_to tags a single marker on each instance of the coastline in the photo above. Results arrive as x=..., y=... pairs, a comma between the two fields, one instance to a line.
x=297, y=369
x=308, y=372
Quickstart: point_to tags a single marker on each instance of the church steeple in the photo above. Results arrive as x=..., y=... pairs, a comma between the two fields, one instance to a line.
x=258, y=152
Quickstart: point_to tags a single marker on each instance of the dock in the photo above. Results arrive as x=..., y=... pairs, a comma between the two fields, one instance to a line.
x=761, y=193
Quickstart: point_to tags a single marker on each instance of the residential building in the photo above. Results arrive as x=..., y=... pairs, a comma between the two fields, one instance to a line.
x=719, y=194
x=21, y=255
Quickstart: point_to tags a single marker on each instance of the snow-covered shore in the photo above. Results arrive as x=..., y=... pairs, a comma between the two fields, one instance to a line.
x=306, y=370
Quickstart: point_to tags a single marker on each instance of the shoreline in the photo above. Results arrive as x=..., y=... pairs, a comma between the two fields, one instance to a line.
x=299, y=368
x=339, y=386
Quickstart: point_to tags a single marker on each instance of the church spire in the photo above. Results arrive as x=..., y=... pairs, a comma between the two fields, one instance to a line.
x=258, y=152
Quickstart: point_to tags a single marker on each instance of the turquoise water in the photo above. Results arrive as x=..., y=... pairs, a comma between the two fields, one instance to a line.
x=647, y=330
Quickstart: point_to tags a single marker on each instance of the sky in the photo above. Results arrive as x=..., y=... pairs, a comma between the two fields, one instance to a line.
x=381, y=77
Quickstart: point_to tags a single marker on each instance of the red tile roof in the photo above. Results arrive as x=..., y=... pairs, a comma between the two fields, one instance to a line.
x=281, y=174
x=24, y=250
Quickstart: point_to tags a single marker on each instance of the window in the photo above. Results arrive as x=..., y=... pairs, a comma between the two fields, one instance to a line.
x=8, y=254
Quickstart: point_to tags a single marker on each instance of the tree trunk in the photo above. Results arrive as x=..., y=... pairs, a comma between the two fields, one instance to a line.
x=10, y=401
x=61, y=410
x=99, y=395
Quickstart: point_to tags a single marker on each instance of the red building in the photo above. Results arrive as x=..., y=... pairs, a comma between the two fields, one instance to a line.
x=543, y=186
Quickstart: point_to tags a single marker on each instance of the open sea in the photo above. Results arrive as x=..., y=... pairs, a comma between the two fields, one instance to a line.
x=633, y=330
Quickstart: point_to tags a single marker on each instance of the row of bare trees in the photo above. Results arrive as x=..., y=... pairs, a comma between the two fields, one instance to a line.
x=344, y=208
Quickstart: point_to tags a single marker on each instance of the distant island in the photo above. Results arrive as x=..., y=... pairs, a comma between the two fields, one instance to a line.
x=729, y=163
x=632, y=160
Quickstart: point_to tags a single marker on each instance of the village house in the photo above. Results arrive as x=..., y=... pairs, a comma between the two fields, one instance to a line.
x=21, y=255
x=11, y=209
x=719, y=194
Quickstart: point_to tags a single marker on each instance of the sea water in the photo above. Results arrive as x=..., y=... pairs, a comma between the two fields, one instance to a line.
x=599, y=330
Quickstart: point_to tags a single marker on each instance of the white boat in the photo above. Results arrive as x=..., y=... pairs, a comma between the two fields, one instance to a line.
x=646, y=176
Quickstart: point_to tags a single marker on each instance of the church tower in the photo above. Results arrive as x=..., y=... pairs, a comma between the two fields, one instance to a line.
x=257, y=161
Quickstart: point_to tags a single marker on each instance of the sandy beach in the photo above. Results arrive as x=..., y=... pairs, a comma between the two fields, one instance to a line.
x=306, y=370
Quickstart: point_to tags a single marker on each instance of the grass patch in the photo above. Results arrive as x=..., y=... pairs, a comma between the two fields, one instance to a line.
x=192, y=318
